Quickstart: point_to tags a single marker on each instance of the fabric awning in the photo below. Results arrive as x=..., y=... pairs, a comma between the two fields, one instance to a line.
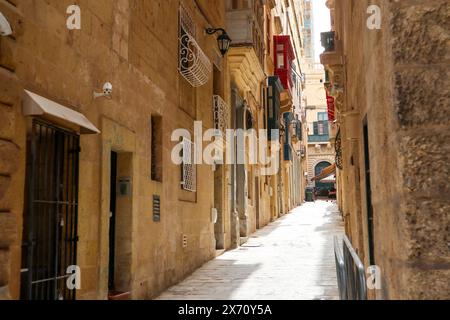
x=328, y=171
x=36, y=105
x=330, y=179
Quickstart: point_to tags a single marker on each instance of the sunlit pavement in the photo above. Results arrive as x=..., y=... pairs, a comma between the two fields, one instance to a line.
x=291, y=258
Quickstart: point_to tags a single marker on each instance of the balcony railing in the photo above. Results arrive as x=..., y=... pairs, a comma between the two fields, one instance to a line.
x=194, y=65
x=319, y=138
x=327, y=40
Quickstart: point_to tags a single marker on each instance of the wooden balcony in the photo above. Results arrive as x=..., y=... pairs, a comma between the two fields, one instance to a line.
x=333, y=49
x=245, y=27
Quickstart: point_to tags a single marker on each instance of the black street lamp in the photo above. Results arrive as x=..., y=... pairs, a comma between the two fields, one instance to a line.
x=223, y=40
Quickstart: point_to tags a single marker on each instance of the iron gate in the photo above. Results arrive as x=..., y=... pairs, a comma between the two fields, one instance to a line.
x=51, y=213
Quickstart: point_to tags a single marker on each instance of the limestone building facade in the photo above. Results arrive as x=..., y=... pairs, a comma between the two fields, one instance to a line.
x=87, y=176
x=389, y=75
x=112, y=198
x=320, y=149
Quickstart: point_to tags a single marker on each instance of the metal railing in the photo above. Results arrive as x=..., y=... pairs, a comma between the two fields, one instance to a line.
x=194, y=65
x=350, y=271
x=318, y=138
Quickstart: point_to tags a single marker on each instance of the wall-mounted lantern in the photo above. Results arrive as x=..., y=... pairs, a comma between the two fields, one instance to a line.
x=223, y=40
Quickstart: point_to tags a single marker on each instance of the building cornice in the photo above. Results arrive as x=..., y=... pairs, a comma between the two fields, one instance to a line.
x=245, y=69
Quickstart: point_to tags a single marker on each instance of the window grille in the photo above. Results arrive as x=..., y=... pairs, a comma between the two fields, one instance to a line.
x=194, y=65
x=221, y=112
x=189, y=169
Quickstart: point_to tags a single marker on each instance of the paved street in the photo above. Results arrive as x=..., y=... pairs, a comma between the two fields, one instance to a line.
x=291, y=258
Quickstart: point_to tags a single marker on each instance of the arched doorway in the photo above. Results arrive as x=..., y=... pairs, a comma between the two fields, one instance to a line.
x=322, y=188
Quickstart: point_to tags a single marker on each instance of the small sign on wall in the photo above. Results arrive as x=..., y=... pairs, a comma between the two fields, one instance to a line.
x=124, y=187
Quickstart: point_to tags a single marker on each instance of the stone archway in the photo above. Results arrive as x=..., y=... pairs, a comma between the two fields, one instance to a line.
x=322, y=188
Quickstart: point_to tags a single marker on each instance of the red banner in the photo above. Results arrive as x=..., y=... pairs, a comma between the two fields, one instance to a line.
x=331, y=108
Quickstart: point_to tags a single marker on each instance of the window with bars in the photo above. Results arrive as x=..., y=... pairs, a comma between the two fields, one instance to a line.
x=220, y=111
x=188, y=167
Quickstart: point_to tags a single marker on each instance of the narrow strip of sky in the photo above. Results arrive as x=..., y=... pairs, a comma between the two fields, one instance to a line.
x=321, y=24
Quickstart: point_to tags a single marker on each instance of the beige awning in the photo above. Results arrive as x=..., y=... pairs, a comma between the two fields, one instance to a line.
x=328, y=171
x=36, y=105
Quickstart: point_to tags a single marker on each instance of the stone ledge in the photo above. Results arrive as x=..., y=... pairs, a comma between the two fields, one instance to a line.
x=331, y=58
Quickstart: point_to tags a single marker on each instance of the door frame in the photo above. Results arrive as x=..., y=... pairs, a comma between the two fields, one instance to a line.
x=61, y=159
x=368, y=192
x=120, y=139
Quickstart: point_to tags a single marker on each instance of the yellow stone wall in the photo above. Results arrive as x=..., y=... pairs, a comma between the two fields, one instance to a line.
x=397, y=84
x=134, y=45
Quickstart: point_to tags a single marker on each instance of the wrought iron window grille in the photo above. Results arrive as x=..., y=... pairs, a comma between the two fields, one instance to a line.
x=189, y=169
x=194, y=65
x=221, y=112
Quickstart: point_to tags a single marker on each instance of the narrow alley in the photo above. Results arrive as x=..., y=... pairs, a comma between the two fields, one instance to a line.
x=290, y=259
x=174, y=150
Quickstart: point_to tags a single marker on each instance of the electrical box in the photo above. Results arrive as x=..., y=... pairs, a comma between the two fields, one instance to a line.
x=124, y=187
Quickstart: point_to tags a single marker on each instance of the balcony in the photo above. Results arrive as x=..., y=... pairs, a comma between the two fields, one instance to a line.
x=245, y=27
x=327, y=40
x=325, y=138
x=273, y=105
x=333, y=52
x=284, y=55
x=321, y=132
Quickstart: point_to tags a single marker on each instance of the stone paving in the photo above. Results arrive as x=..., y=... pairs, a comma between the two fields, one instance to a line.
x=290, y=259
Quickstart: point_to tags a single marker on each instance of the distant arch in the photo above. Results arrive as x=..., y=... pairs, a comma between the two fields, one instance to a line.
x=322, y=186
x=320, y=166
